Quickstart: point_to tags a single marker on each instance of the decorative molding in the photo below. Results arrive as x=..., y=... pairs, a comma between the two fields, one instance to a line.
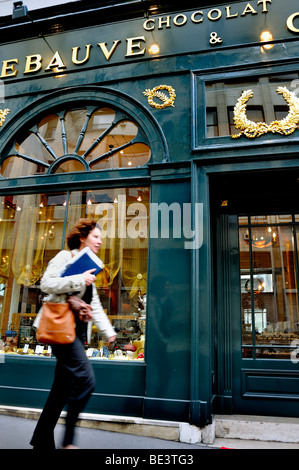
x=252, y=129
x=156, y=93
x=3, y=114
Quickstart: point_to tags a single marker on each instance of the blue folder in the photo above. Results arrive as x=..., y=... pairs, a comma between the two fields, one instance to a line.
x=85, y=262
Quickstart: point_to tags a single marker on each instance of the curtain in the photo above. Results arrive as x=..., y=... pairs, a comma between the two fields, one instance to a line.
x=112, y=223
x=134, y=270
x=30, y=242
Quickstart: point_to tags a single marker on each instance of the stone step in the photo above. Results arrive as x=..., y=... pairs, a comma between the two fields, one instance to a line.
x=257, y=428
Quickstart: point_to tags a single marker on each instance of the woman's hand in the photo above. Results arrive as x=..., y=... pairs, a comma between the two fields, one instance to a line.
x=89, y=277
x=111, y=339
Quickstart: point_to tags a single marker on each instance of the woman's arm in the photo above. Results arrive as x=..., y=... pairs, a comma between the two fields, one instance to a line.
x=100, y=318
x=52, y=283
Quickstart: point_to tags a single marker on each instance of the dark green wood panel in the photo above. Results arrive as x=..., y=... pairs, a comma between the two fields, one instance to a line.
x=120, y=388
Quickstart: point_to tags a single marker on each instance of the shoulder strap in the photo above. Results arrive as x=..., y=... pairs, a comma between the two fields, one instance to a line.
x=87, y=297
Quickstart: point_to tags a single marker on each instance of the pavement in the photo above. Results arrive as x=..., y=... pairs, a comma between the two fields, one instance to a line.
x=16, y=433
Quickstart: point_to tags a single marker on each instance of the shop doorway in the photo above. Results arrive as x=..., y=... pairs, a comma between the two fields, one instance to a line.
x=256, y=264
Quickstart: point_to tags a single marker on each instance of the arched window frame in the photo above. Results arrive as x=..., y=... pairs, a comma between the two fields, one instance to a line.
x=149, y=130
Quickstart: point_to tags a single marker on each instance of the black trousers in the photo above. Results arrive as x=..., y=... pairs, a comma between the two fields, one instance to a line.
x=73, y=384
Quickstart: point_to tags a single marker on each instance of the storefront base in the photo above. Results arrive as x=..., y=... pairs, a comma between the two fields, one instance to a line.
x=235, y=431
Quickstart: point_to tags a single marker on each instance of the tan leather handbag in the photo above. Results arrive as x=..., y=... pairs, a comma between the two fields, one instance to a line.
x=57, y=324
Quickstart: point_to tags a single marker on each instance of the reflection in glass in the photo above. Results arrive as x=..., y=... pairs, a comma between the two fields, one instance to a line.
x=132, y=156
x=14, y=167
x=69, y=166
x=266, y=105
x=120, y=135
x=32, y=232
x=50, y=130
x=74, y=122
x=271, y=219
x=122, y=284
x=100, y=137
x=269, y=288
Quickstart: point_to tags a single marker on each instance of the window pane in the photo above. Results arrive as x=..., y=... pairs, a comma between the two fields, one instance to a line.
x=123, y=133
x=14, y=167
x=269, y=288
x=132, y=156
x=123, y=217
x=266, y=105
x=31, y=234
x=243, y=220
x=212, y=122
x=271, y=219
x=254, y=113
x=32, y=147
x=246, y=310
x=50, y=130
x=31, y=230
x=99, y=122
x=69, y=166
x=74, y=122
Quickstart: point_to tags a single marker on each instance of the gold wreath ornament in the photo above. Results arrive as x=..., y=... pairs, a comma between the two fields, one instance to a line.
x=3, y=114
x=156, y=93
x=252, y=129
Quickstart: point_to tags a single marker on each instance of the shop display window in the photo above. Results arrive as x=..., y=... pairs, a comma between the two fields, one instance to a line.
x=32, y=231
x=269, y=286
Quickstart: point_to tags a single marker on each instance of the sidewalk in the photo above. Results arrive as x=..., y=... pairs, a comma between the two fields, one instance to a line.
x=16, y=433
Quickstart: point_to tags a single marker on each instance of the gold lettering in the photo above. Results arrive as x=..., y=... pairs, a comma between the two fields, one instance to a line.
x=215, y=18
x=162, y=22
x=56, y=62
x=146, y=25
x=108, y=54
x=177, y=20
x=264, y=2
x=290, y=23
x=131, y=46
x=228, y=14
x=8, y=65
x=33, y=63
x=249, y=9
x=193, y=17
x=75, y=55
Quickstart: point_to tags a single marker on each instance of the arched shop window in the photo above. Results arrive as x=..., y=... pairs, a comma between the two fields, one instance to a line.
x=33, y=224
x=75, y=140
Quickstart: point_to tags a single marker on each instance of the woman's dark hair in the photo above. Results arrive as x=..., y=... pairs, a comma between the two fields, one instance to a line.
x=81, y=229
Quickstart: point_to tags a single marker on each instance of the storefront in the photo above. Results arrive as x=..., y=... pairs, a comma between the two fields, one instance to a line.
x=187, y=155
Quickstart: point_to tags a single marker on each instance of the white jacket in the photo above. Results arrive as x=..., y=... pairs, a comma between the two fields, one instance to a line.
x=58, y=289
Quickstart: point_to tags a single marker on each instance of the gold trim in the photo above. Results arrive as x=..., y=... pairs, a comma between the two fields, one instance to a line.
x=252, y=129
x=3, y=114
x=156, y=93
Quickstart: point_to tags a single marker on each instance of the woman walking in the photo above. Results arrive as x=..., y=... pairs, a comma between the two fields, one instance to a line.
x=74, y=379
